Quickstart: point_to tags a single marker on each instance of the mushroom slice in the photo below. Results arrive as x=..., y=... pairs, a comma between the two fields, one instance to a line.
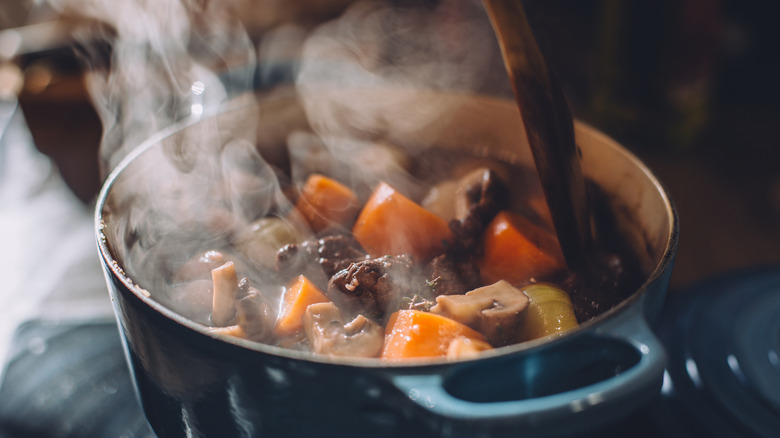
x=225, y=292
x=496, y=311
x=441, y=199
x=479, y=195
x=328, y=334
x=255, y=316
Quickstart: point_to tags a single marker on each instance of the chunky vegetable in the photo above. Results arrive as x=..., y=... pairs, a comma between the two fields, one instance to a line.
x=392, y=224
x=255, y=316
x=263, y=238
x=417, y=334
x=463, y=271
x=328, y=333
x=324, y=202
x=297, y=297
x=516, y=249
x=497, y=311
x=441, y=199
x=225, y=294
x=549, y=312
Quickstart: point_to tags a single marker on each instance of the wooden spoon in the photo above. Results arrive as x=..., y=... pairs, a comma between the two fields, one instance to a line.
x=549, y=128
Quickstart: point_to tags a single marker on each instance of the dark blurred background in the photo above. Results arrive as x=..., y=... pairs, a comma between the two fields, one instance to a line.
x=690, y=86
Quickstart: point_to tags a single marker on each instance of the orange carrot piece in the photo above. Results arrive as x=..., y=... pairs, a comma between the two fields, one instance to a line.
x=325, y=202
x=392, y=224
x=297, y=297
x=414, y=334
x=516, y=249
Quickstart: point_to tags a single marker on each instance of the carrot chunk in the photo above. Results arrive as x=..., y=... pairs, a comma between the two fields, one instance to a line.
x=516, y=249
x=297, y=297
x=325, y=202
x=392, y=224
x=414, y=334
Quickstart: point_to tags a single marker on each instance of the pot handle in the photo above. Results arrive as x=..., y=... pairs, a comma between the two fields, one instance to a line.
x=615, y=370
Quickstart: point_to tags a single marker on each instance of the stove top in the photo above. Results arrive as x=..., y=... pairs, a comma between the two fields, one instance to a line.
x=69, y=380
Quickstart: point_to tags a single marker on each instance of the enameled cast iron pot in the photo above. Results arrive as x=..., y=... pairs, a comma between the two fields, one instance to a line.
x=194, y=383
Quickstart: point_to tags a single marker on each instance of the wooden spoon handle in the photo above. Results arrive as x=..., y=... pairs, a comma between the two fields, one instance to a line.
x=549, y=128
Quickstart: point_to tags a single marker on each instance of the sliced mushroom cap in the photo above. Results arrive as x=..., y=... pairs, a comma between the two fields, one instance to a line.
x=480, y=189
x=496, y=311
x=441, y=199
x=255, y=316
x=327, y=332
x=225, y=293
x=480, y=194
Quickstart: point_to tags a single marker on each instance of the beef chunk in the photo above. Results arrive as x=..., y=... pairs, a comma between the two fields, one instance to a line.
x=372, y=285
x=327, y=255
x=448, y=274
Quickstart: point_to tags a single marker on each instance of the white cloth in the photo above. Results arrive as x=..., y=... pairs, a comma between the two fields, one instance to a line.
x=49, y=266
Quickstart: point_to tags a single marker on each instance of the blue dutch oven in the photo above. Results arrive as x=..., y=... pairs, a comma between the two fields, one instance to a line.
x=192, y=382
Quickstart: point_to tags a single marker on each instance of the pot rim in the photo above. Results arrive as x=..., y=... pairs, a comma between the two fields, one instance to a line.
x=670, y=248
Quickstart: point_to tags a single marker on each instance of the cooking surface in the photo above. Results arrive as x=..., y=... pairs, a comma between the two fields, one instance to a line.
x=64, y=372
x=69, y=379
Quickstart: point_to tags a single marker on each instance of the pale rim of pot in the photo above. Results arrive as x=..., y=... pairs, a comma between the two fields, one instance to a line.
x=116, y=270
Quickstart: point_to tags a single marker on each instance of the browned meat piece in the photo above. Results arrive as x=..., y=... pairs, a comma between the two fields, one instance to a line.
x=610, y=275
x=372, y=286
x=496, y=311
x=327, y=332
x=477, y=202
x=327, y=256
x=338, y=252
x=449, y=275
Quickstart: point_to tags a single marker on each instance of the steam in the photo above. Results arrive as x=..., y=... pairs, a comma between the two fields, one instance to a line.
x=378, y=69
x=372, y=76
x=163, y=64
x=380, y=74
